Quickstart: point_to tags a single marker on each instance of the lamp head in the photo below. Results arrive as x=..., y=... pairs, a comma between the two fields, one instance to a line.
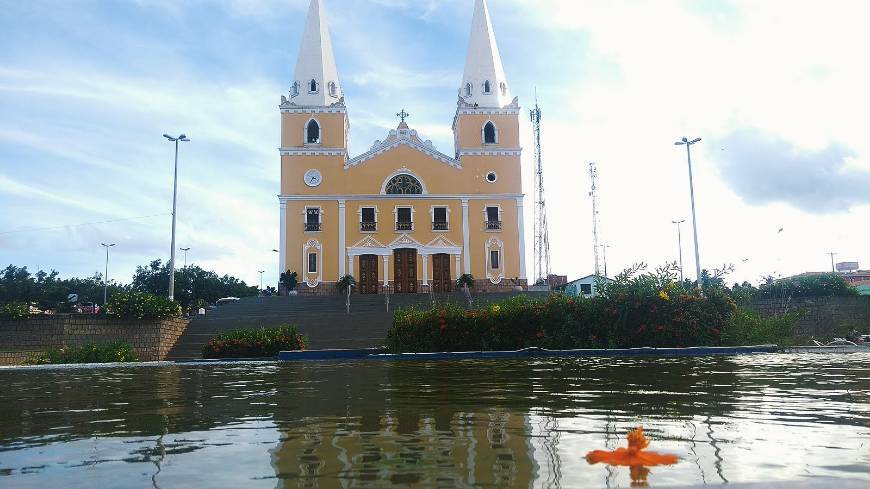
x=167, y=136
x=694, y=140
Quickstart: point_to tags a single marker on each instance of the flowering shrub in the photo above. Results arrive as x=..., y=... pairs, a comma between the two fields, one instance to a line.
x=630, y=315
x=139, y=305
x=116, y=351
x=254, y=343
x=14, y=310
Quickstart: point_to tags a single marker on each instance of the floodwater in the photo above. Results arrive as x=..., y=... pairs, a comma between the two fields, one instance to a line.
x=494, y=423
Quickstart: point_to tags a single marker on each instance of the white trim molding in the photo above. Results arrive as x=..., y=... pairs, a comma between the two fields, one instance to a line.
x=290, y=108
x=490, y=152
x=403, y=171
x=483, y=133
x=486, y=217
x=466, y=237
x=282, y=239
x=305, y=132
x=495, y=275
x=521, y=226
x=382, y=147
x=341, y=237
x=432, y=217
x=371, y=246
x=488, y=111
x=396, y=218
x=292, y=198
x=312, y=279
x=312, y=151
x=359, y=212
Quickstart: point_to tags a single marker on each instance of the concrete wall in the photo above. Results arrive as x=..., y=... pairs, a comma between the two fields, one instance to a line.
x=821, y=316
x=152, y=339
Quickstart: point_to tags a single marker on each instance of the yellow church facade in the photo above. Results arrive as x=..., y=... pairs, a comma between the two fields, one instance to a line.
x=403, y=216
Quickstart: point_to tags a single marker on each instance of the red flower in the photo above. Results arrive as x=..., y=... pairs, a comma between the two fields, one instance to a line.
x=715, y=331
x=660, y=328
x=540, y=334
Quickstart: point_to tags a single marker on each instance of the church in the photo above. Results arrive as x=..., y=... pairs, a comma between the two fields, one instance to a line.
x=403, y=217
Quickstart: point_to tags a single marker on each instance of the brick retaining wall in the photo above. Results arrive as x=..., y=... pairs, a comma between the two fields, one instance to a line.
x=152, y=339
x=821, y=316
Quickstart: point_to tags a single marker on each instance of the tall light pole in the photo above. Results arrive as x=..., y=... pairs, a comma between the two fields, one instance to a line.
x=183, y=138
x=833, y=268
x=106, y=276
x=185, y=250
x=261, y=280
x=688, y=144
x=680, y=245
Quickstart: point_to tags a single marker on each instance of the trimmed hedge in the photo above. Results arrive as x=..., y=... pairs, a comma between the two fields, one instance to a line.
x=254, y=343
x=14, y=311
x=116, y=351
x=140, y=305
x=563, y=322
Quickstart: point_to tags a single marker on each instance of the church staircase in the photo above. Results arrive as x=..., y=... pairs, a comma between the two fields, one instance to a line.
x=322, y=319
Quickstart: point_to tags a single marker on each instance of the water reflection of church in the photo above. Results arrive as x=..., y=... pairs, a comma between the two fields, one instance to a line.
x=469, y=449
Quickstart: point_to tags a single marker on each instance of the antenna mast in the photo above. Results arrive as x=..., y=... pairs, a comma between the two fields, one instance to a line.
x=542, y=238
x=593, y=177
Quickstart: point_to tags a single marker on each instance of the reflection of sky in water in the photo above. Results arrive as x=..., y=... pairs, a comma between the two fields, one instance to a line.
x=451, y=424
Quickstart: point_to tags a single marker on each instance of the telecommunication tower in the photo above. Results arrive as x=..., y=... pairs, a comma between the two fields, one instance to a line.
x=593, y=177
x=542, y=238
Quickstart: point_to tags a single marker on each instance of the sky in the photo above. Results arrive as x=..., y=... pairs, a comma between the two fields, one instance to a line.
x=777, y=90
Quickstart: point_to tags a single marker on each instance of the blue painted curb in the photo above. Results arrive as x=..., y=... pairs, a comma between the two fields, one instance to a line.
x=378, y=354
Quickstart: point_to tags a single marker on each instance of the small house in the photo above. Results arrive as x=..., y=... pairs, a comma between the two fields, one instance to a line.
x=585, y=287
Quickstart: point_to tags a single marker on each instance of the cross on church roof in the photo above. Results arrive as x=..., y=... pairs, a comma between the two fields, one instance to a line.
x=403, y=115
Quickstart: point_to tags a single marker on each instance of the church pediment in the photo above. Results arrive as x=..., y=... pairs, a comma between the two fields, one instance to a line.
x=405, y=240
x=403, y=136
x=368, y=242
x=441, y=242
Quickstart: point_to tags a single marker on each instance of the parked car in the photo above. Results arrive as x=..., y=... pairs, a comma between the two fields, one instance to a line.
x=88, y=308
x=227, y=300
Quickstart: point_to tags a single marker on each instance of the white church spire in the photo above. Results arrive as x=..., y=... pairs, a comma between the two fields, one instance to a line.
x=484, y=82
x=316, y=76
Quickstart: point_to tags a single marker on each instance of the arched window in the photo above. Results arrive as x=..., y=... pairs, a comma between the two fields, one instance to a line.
x=489, y=133
x=312, y=132
x=468, y=89
x=403, y=184
x=295, y=90
x=486, y=87
x=503, y=88
x=333, y=90
x=312, y=86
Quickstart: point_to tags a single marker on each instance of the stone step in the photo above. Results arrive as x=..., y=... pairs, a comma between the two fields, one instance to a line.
x=322, y=319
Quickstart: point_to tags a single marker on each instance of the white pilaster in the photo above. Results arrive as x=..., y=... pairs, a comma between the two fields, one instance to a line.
x=350, y=264
x=425, y=259
x=282, y=240
x=466, y=247
x=521, y=220
x=342, y=248
x=386, y=270
x=458, y=271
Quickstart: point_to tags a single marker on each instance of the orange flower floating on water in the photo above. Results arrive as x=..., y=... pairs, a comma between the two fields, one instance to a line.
x=634, y=455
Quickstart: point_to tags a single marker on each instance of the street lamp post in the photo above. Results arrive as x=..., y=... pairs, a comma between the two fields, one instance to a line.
x=106, y=276
x=688, y=144
x=185, y=250
x=182, y=138
x=261, y=280
x=680, y=245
